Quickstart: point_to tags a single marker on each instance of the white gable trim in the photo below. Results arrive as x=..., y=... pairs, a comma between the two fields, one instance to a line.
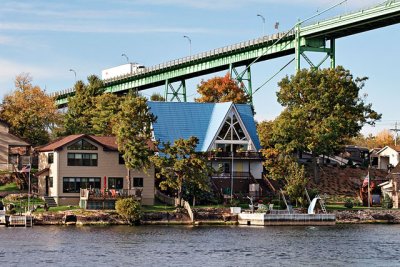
x=233, y=109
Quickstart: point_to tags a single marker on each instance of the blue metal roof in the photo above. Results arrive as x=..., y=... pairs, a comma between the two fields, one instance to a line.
x=184, y=119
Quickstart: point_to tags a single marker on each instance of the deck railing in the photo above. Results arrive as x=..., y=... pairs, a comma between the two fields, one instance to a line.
x=236, y=155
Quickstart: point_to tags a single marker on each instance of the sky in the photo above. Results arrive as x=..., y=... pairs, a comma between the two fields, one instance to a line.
x=48, y=38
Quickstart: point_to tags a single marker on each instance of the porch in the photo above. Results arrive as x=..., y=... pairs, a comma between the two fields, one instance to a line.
x=236, y=155
x=105, y=199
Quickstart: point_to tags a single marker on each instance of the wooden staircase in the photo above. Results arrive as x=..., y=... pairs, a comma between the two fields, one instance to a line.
x=50, y=201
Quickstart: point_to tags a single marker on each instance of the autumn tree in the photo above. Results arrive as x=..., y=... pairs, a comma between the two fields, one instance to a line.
x=79, y=116
x=264, y=131
x=157, y=97
x=221, y=89
x=31, y=113
x=179, y=164
x=132, y=128
x=323, y=108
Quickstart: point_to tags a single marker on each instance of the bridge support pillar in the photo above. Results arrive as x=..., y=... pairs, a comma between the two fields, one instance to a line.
x=241, y=77
x=178, y=93
x=332, y=53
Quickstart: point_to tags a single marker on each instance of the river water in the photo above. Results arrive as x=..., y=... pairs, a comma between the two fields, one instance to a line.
x=340, y=245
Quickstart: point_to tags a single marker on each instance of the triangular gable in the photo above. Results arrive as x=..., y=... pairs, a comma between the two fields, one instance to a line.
x=181, y=120
x=218, y=116
x=242, y=125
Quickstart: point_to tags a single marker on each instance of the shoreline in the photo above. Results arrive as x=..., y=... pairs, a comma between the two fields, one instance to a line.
x=87, y=218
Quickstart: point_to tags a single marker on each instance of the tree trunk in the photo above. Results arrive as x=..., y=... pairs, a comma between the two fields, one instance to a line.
x=315, y=168
x=180, y=196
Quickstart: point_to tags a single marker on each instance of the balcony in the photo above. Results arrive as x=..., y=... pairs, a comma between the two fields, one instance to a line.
x=236, y=155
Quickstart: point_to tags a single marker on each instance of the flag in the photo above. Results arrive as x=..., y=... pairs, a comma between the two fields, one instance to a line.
x=26, y=168
x=366, y=181
x=276, y=25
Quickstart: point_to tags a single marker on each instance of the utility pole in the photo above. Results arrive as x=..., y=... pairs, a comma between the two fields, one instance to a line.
x=396, y=132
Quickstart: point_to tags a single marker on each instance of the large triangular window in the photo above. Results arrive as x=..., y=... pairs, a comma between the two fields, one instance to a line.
x=82, y=145
x=231, y=130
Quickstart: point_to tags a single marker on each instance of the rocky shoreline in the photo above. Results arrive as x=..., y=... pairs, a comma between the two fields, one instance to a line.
x=203, y=217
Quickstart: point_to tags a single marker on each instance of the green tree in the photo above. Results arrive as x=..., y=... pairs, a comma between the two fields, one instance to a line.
x=322, y=110
x=132, y=128
x=221, y=89
x=129, y=209
x=79, y=116
x=31, y=113
x=103, y=115
x=264, y=130
x=295, y=181
x=181, y=165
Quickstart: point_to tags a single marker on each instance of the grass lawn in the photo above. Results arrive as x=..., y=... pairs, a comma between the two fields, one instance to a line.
x=59, y=208
x=342, y=207
x=11, y=187
x=158, y=208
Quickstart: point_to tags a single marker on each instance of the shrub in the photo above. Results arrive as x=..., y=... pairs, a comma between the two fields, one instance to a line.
x=349, y=203
x=129, y=209
x=387, y=202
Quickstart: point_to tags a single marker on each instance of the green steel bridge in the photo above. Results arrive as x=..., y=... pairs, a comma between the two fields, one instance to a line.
x=316, y=37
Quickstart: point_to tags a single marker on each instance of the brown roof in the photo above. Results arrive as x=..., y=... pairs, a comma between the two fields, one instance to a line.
x=108, y=142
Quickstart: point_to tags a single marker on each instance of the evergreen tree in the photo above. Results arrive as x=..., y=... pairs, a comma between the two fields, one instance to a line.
x=132, y=127
x=78, y=119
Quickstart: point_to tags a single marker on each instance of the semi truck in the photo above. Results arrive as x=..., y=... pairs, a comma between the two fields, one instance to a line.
x=125, y=69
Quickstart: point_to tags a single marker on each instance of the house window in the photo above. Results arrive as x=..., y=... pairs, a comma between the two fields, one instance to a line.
x=51, y=182
x=137, y=182
x=227, y=167
x=50, y=158
x=82, y=145
x=231, y=130
x=82, y=159
x=121, y=159
x=74, y=184
x=115, y=182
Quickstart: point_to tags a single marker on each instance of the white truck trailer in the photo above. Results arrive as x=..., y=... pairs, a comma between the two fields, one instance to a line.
x=130, y=68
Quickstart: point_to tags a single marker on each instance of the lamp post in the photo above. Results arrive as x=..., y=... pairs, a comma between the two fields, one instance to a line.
x=127, y=58
x=190, y=44
x=263, y=20
x=73, y=72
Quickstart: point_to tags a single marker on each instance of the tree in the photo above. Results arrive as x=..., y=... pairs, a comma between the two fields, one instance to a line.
x=31, y=113
x=264, y=130
x=129, y=209
x=106, y=107
x=78, y=119
x=322, y=110
x=181, y=165
x=295, y=181
x=132, y=128
x=157, y=97
x=384, y=138
x=221, y=89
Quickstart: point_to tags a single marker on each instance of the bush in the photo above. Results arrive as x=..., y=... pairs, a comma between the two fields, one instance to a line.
x=129, y=209
x=349, y=203
x=387, y=202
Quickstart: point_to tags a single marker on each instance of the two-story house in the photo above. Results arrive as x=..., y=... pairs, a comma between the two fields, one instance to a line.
x=226, y=131
x=81, y=161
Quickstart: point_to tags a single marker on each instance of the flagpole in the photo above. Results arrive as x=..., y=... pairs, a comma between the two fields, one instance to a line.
x=29, y=185
x=368, y=190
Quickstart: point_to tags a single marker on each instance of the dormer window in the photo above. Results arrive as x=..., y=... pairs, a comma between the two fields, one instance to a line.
x=82, y=145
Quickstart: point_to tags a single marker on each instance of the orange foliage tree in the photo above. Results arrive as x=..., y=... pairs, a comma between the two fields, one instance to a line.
x=221, y=89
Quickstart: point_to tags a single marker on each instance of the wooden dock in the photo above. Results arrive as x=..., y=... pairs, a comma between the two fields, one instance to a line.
x=20, y=220
x=286, y=219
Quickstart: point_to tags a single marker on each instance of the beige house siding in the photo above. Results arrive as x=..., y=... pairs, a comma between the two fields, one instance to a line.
x=107, y=166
